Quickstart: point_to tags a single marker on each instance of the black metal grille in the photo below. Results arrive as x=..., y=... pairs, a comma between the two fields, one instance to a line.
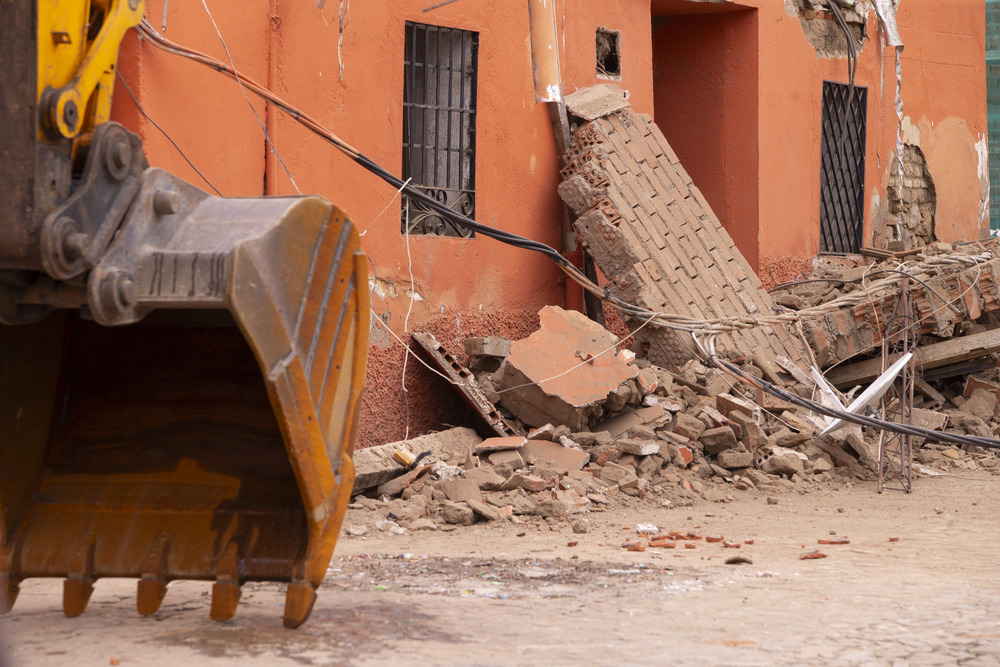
x=842, y=168
x=439, y=125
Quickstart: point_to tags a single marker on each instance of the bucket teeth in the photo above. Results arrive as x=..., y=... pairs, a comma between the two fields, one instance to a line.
x=299, y=601
x=80, y=582
x=149, y=596
x=153, y=585
x=226, y=589
x=9, y=589
x=225, y=597
x=76, y=595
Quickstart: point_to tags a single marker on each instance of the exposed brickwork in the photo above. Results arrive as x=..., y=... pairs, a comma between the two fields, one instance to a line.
x=916, y=204
x=658, y=242
x=845, y=332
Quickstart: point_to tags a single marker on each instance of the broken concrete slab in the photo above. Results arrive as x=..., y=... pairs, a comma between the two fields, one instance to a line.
x=483, y=510
x=395, y=486
x=461, y=489
x=783, y=464
x=490, y=445
x=978, y=405
x=510, y=457
x=459, y=514
x=554, y=454
x=485, y=477
x=593, y=102
x=535, y=384
x=376, y=465
x=652, y=416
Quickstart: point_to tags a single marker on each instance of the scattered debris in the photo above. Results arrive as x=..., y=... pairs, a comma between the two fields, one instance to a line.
x=583, y=425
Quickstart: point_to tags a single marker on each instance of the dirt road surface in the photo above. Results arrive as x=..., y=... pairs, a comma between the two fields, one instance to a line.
x=917, y=584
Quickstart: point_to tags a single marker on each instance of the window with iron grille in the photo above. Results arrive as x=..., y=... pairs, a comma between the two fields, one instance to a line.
x=842, y=167
x=439, y=126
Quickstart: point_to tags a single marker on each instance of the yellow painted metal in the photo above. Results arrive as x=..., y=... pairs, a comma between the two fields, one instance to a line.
x=76, y=75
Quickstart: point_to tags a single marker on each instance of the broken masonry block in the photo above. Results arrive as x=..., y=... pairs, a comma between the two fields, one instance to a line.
x=459, y=489
x=564, y=372
x=554, y=454
x=488, y=346
x=719, y=439
x=638, y=447
x=733, y=459
x=688, y=426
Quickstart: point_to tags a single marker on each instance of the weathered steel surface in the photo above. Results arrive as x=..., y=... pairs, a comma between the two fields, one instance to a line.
x=155, y=450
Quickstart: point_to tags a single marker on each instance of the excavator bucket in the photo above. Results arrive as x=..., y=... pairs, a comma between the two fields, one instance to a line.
x=192, y=417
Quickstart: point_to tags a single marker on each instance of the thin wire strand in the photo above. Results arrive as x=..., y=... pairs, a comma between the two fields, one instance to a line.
x=668, y=320
x=406, y=320
x=163, y=132
x=386, y=208
x=263, y=129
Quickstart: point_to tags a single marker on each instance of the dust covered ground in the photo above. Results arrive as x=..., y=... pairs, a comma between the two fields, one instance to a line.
x=917, y=584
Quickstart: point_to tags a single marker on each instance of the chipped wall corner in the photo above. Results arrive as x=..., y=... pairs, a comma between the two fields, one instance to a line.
x=823, y=31
x=983, y=168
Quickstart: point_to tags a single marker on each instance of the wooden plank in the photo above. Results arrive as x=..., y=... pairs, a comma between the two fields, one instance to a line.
x=929, y=356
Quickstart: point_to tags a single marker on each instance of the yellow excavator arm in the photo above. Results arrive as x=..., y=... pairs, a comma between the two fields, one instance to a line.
x=181, y=374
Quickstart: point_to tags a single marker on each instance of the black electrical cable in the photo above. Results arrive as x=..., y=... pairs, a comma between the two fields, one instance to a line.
x=522, y=242
x=861, y=420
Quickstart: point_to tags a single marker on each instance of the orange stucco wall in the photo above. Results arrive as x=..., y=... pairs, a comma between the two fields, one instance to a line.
x=705, y=92
x=944, y=92
x=460, y=287
x=746, y=121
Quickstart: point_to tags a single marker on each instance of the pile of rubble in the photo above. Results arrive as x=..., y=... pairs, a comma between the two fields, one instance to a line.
x=584, y=426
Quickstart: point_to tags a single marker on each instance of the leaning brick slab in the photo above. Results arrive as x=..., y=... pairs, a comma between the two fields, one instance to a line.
x=658, y=242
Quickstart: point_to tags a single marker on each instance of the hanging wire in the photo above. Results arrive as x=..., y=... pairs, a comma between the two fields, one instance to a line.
x=267, y=137
x=694, y=326
x=163, y=132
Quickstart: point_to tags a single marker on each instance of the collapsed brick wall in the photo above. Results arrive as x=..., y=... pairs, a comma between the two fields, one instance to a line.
x=845, y=332
x=658, y=242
